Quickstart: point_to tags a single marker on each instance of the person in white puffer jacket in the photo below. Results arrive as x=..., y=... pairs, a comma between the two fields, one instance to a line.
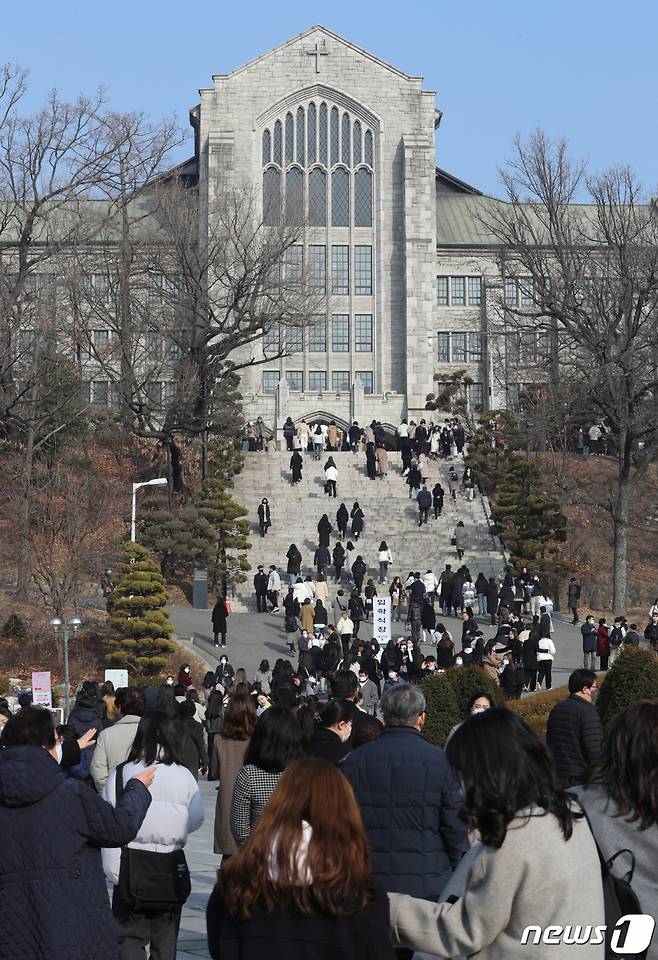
x=176, y=810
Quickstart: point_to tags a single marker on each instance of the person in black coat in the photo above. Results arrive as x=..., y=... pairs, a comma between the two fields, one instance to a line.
x=357, y=610
x=371, y=462
x=322, y=558
x=530, y=663
x=574, y=733
x=219, y=615
x=193, y=742
x=414, y=479
x=424, y=501
x=264, y=517
x=342, y=519
x=289, y=432
x=359, y=571
x=427, y=616
x=54, y=897
x=438, y=495
x=333, y=726
x=324, y=530
x=338, y=560
x=296, y=464
x=491, y=594
x=260, y=588
x=402, y=779
x=294, y=558
x=358, y=517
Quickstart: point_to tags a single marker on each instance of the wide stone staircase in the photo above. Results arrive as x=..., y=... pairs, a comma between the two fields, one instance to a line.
x=389, y=515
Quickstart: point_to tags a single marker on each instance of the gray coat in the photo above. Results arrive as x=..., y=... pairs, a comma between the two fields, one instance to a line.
x=614, y=833
x=460, y=538
x=536, y=878
x=112, y=748
x=370, y=699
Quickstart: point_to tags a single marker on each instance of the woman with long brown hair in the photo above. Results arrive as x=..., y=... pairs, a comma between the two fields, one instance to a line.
x=229, y=748
x=302, y=883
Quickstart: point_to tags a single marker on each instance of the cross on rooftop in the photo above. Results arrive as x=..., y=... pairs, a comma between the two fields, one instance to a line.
x=317, y=53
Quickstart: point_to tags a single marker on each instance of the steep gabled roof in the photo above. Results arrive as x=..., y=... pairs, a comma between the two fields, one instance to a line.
x=328, y=33
x=447, y=183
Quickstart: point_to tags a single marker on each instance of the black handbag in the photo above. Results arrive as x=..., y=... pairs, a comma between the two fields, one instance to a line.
x=149, y=881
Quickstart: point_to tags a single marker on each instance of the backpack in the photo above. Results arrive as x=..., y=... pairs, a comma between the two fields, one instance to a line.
x=620, y=902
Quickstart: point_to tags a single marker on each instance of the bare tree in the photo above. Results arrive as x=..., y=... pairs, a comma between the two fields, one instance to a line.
x=589, y=276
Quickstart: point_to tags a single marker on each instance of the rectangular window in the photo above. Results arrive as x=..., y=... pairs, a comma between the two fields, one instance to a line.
x=475, y=397
x=295, y=379
x=154, y=346
x=511, y=292
x=526, y=292
x=294, y=339
x=294, y=262
x=367, y=379
x=100, y=338
x=528, y=346
x=154, y=393
x=363, y=270
x=270, y=380
x=474, y=291
x=475, y=347
x=442, y=291
x=169, y=391
x=340, y=269
x=513, y=395
x=318, y=268
x=512, y=347
x=443, y=355
x=458, y=348
x=85, y=392
x=271, y=340
x=457, y=291
x=340, y=333
x=317, y=335
x=363, y=332
x=100, y=393
x=100, y=286
x=340, y=381
x=317, y=380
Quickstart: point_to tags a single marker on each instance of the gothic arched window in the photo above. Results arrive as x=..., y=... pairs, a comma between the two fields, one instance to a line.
x=272, y=197
x=294, y=196
x=310, y=129
x=334, y=135
x=368, y=148
x=345, y=141
x=363, y=198
x=357, y=142
x=340, y=198
x=290, y=139
x=323, y=137
x=301, y=136
x=317, y=198
x=277, y=143
x=267, y=147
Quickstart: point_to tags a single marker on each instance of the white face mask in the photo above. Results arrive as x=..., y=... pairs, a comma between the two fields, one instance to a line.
x=392, y=676
x=187, y=669
x=363, y=679
x=478, y=710
x=458, y=662
x=58, y=752
x=346, y=733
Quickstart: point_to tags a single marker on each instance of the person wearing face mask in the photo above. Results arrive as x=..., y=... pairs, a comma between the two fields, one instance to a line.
x=185, y=675
x=368, y=692
x=45, y=912
x=574, y=733
x=477, y=703
x=332, y=730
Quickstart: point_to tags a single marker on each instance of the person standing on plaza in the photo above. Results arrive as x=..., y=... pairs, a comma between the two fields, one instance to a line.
x=273, y=588
x=260, y=589
x=589, y=634
x=114, y=743
x=396, y=591
x=651, y=632
x=296, y=465
x=574, y=733
x=603, y=644
x=330, y=477
x=545, y=655
x=229, y=748
x=573, y=596
x=342, y=520
x=218, y=618
x=264, y=517
x=401, y=778
x=384, y=557
x=52, y=890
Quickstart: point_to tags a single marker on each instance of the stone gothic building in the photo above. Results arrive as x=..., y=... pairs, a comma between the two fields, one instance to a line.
x=395, y=243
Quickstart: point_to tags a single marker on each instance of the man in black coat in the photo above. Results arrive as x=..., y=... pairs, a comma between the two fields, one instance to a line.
x=530, y=663
x=544, y=624
x=574, y=734
x=651, y=632
x=322, y=558
x=409, y=800
x=424, y=500
x=260, y=586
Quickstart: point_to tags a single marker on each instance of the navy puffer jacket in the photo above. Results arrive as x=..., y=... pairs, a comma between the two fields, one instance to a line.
x=53, y=897
x=410, y=801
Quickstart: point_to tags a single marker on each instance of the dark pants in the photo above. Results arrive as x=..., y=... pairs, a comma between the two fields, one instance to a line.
x=574, y=610
x=273, y=597
x=544, y=668
x=357, y=624
x=438, y=507
x=263, y=527
x=531, y=679
x=331, y=488
x=216, y=636
x=261, y=602
x=424, y=511
x=160, y=930
x=289, y=443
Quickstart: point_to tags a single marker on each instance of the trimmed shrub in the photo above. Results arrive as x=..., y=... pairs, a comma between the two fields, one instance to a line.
x=5, y=687
x=442, y=708
x=466, y=681
x=535, y=709
x=632, y=677
x=14, y=628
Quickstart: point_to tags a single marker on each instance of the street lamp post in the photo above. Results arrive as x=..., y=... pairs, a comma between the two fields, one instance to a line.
x=158, y=482
x=56, y=623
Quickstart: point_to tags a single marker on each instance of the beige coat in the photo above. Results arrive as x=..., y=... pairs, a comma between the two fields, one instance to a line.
x=536, y=878
x=321, y=591
x=382, y=457
x=112, y=748
x=229, y=758
x=490, y=665
x=306, y=617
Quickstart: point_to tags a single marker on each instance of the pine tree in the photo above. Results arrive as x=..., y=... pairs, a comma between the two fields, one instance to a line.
x=228, y=519
x=181, y=540
x=137, y=615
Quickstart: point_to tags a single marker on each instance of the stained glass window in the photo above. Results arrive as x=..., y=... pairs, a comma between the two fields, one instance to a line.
x=357, y=142
x=271, y=197
x=345, y=140
x=311, y=124
x=323, y=137
x=277, y=142
x=294, y=196
x=368, y=148
x=290, y=139
x=301, y=136
x=334, y=135
x=267, y=147
x=340, y=198
x=363, y=198
x=317, y=197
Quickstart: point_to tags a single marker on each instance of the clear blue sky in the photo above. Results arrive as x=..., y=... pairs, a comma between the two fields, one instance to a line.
x=579, y=68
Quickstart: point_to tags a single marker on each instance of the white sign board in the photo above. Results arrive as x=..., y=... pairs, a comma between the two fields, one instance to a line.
x=381, y=620
x=118, y=677
x=42, y=689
